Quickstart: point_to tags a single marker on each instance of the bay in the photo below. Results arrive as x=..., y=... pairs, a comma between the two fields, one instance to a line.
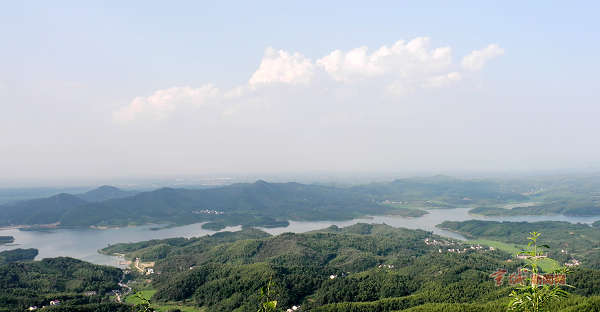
x=84, y=243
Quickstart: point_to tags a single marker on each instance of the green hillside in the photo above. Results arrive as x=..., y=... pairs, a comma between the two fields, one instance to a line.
x=36, y=283
x=375, y=268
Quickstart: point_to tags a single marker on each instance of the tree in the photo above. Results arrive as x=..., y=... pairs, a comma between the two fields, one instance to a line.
x=266, y=303
x=537, y=294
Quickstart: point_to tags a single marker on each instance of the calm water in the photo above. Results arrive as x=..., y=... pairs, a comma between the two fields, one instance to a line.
x=84, y=243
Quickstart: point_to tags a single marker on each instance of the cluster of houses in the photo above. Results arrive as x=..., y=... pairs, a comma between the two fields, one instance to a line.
x=386, y=266
x=208, y=211
x=522, y=257
x=458, y=250
x=293, y=308
x=433, y=242
x=144, y=267
x=573, y=262
x=52, y=303
x=391, y=202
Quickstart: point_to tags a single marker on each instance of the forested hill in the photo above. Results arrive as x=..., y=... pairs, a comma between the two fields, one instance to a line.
x=567, y=241
x=49, y=210
x=15, y=255
x=39, y=211
x=36, y=283
x=259, y=203
x=105, y=192
x=252, y=204
x=442, y=190
x=358, y=268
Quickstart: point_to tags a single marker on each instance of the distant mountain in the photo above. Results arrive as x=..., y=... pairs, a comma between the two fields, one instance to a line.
x=105, y=192
x=250, y=204
x=259, y=203
x=441, y=188
x=39, y=211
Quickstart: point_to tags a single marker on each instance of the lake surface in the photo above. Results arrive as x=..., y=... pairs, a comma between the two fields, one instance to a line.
x=84, y=243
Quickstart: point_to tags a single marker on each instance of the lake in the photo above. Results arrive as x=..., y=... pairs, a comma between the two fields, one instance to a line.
x=84, y=243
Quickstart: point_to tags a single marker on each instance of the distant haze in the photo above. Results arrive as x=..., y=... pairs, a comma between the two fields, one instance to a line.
x=155, y=89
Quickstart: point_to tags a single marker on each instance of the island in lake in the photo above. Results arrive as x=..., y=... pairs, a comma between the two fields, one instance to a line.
x=6, y=239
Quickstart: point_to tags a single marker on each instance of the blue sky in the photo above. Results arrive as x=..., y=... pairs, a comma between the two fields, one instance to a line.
x=70, y=69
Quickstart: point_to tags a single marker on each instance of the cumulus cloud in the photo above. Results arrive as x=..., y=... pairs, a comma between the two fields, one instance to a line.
x=477, y=59
x=402, y=59
x=443, y=80
x=283, y=67
x=400, y=69
x=163, y=102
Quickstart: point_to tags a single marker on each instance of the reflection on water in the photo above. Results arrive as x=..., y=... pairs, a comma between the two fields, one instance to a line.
x=84, y=243
x=426, y=222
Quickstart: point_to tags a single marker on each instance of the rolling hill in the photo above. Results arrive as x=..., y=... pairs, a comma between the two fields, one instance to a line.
x=251, y=204
x=105, y=192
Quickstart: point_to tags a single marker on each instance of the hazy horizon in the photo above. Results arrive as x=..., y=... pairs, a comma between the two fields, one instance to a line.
x=115, y=91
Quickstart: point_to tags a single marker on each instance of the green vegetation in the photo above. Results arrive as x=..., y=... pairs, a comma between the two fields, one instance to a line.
x=357, y=268
x=565, y=207
x=374, y=268
x=547, y=265
x=254, y=204
x=105, y=192
x=6, y=240
x=440, y=192
x=575, y=195
x=274, y=204
x=567, y=241
x=17, y=255
x=140, y=296
x=35, y=283
x=533, y=294
x=39, y=211
x=153, y=250
x=404, y=211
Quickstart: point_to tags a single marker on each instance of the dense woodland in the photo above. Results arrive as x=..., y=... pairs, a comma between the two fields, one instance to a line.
x=566, y=240
x=16, y=255
x=376, y=268
x=36, y=283
x=566, y=207
x=357, y=268
x=253, y=204
x=273, y=204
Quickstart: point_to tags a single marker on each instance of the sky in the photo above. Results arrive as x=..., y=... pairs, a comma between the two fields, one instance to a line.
x=131, y=89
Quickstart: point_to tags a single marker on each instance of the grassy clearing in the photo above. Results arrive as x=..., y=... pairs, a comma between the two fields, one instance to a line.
x=512, y=249
x=148, y=293
x=167, y=307
x=546, y=265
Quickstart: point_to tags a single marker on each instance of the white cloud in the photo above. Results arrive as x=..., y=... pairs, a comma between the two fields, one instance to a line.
x=162, y=102
x=403, y=68
x=443, y=80
x=403, y=59
x=283, y=67
x=477, y=59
